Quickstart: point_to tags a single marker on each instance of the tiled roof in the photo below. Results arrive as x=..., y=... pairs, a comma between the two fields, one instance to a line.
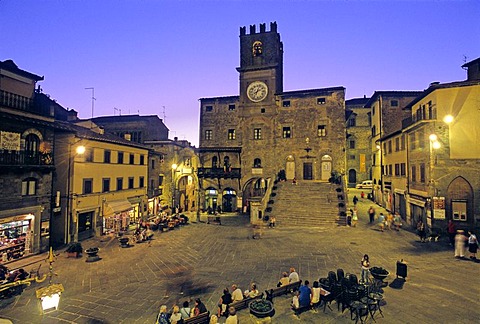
x=356, y=101
x=10, y=66
x=388, y=93
x=471, y=62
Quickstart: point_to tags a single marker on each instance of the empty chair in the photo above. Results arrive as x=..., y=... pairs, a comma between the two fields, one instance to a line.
x=353, y=280
x=340, y=274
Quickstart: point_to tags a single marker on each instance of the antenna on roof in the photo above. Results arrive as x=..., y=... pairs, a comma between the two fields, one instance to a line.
x=93, y=98
x=164, y=114
x=464, y=61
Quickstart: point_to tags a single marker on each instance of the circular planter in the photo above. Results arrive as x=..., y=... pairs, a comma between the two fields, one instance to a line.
x=92, y=254
x=261, y=308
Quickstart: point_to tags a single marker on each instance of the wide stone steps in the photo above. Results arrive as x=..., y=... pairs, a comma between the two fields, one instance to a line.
x=309, y=203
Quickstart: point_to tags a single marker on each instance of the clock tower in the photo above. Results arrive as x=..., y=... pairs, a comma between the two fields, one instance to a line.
x=261, y=64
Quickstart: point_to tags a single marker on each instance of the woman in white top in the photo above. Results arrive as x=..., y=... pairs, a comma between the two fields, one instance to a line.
x=365, y=268
x=315, y=293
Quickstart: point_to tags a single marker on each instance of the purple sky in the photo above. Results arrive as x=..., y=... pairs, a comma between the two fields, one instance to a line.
x=141, y=56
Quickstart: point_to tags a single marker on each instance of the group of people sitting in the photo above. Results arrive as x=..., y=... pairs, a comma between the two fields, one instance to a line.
x=11, y=276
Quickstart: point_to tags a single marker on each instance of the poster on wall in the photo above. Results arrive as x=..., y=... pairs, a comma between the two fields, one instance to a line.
x=439, y=207
x=10, y=141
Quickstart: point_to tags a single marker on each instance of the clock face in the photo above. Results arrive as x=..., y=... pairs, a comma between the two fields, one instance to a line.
x=257, y=91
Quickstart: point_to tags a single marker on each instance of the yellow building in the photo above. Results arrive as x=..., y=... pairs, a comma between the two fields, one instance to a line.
x=101, y=183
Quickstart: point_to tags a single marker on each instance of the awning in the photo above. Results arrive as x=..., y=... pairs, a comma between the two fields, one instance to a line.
x=115, y=207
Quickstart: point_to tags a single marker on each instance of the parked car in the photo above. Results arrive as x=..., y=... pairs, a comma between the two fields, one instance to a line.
x=367, y=184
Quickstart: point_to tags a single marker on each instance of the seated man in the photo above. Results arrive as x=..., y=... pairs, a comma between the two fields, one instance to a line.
x=284, y=280
x=236, y=293
x=295, y=301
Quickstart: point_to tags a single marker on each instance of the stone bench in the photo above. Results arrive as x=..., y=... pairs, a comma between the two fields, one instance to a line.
x=283, y=290
x=203, y=318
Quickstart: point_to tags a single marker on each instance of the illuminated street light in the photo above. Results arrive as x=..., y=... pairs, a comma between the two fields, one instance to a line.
x=433, y=137
x=448, y=119
x=49, y=296
x=80, y=149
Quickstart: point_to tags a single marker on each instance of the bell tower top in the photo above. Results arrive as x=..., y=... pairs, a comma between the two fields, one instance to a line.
x=262, y=50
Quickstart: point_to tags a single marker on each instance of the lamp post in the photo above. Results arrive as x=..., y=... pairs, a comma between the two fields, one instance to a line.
x=49, y=296
x=174, y=170
x=80, y=150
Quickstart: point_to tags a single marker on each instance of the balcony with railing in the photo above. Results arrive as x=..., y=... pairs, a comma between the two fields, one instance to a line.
x=23, y=158
x=219, y=173
x=15, y=101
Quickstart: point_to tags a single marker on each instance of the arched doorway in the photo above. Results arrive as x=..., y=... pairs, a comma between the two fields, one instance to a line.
x=211, y=196
x=255, y=187
x=229, y=200
x=460, y=202
x=290, y=168
x=186, y=194
x=326, y=167
x=352, y=176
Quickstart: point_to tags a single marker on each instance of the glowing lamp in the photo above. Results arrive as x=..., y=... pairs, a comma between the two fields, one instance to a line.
x=50, y=297
x=448, y=119
x=80, y=149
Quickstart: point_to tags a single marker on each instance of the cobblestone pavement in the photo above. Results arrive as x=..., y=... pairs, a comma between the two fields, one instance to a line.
x=199, y=260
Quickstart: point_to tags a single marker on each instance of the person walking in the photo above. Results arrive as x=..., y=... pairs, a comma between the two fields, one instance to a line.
x=365, y=263
x=472, y=245
x=421, y=231
x=371, y=214
x=355, y=200
x=354, y=217
x=460, y=240
x=381, y=222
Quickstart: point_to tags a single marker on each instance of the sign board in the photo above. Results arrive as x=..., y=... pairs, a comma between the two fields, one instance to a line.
x=439, y=207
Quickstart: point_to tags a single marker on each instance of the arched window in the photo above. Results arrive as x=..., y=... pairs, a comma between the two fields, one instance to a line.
x=352, y=176
x=32, y=143
x=257, y=48
x=226, y=164
x=257, y=163
x=214, y=162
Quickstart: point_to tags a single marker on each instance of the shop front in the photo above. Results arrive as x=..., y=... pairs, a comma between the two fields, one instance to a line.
x=16, y=237
x=117, y=215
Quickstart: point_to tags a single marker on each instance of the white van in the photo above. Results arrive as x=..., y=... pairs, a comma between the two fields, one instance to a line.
x=367, y=184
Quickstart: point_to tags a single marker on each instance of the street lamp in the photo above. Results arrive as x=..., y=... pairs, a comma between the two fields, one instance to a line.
x=79, y=150
x=174, y=169
x=49, y=296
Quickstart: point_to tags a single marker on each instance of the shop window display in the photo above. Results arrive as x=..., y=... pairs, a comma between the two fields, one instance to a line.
x=14, y=239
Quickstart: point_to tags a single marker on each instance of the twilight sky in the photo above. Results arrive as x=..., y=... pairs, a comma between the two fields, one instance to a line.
x=158, y=57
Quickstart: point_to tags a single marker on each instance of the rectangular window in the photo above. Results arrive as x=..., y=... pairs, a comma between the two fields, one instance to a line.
x=130, y=183
x=262, y=111
x=160, y=180
x=351, y=157
x=106, y=156
x=152, y=164
x=119, y=183
x=105, y=184
x=257, y=133
x=132, y=158
x=141, y=182
x=390, y=169
x=412, y=141
x=286, y=103
x=152, y=183
x=87, y=186
x=120, y=158
x=231, y=107
x=402, y=143
x=351, y=144
x=352, y=122
x=321, y=101
x=421, y=138
x=390, y=146
x=231, y=134
x=29, y=187
x=422, y=172
x=374, y=131
x=414, y=173
x=397, y=144
x=208, y=108
x=384, y=148
x=321, y=131
x=394, y=103
x=208, y=135
x=403, y=169
x=397, y=169
x=142, y=159
x=287, y=132
x=88, y=155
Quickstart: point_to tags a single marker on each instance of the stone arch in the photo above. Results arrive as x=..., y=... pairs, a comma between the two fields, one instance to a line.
x=326, y=165
x=290, y=167
x=459, y=201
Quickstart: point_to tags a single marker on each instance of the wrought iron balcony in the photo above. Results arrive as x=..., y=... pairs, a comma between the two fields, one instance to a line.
x=219, y=173
x=15, y=101
x=22, y=158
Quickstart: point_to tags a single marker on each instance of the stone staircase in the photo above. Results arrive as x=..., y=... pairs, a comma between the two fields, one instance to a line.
x=309, y=203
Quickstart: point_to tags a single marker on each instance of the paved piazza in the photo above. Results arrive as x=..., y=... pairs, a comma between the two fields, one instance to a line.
x=199, y=260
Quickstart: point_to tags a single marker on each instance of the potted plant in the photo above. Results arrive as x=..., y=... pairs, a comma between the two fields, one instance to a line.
x=74, y=250
x=261, y=308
